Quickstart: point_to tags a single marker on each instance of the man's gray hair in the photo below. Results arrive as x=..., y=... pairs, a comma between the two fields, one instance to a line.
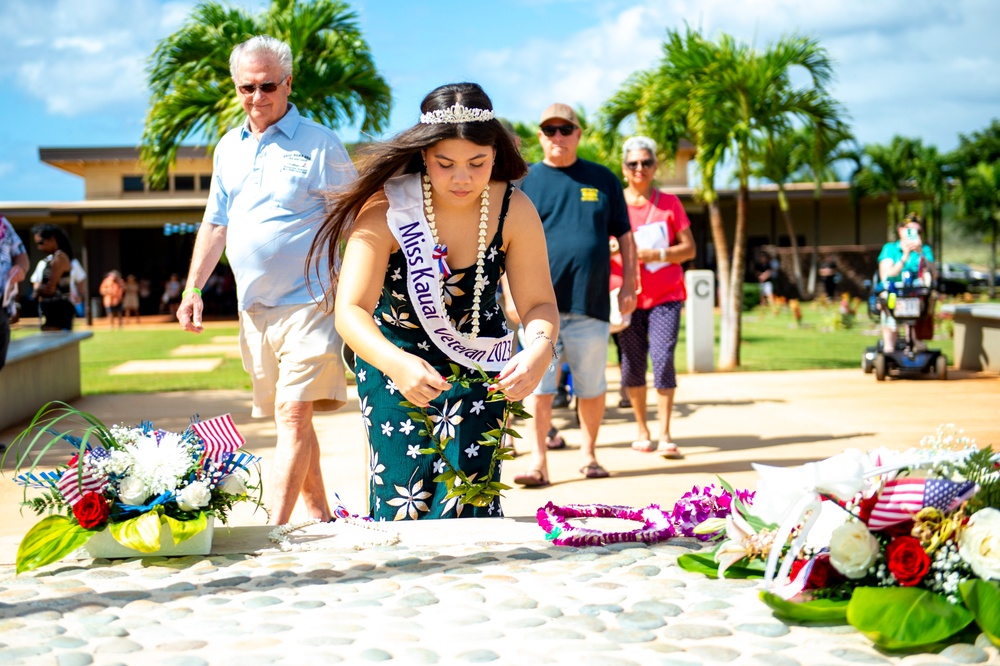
x=262, y=45
x=638, y=143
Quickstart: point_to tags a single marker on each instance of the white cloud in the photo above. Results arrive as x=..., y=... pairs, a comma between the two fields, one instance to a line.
x=81, y=57
x=914, y=67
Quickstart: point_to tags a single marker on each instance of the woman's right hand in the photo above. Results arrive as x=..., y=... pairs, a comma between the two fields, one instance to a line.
x=417, y=380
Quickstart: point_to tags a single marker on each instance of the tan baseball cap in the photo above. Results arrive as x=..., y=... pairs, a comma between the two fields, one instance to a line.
x=561, y=111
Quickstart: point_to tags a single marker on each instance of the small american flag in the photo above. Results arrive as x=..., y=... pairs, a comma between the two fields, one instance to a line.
x=73, y=489
x=901, y=499
x=219, y=434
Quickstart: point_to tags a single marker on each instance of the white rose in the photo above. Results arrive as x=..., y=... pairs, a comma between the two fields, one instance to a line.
x=194, y=496
x=979, y=544
x=232, y=484
x=853, y=549
x=132, y=490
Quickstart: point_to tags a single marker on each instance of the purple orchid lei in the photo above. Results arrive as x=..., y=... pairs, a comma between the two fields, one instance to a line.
x=694, y=507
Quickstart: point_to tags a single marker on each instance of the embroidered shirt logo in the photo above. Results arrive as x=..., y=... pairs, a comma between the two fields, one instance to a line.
x=588, y=194
x=295, y=162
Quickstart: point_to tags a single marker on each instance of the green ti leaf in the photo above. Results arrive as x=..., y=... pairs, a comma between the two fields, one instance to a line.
x=815, y=610
x=704, y=563
x=48, y=541
x=900, y=618
x=982, y=598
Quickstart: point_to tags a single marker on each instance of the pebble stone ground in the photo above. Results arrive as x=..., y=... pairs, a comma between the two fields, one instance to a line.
x=416, y=603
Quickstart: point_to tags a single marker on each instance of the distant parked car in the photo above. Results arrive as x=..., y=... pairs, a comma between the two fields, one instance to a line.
x=982, y=278
x=956, y=278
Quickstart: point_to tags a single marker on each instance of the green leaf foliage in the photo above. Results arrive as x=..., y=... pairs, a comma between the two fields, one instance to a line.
x=704, y=563
x=982, y=598
x=182, y=530
x=48, y=541
x=141, y=533
x=900, y=618
x=816, y=610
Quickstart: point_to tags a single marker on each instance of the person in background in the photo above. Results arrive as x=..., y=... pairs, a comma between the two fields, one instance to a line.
x=172, y=294
x=130, y=303
x=13, y=269
x=906, y=257
x=664, y=240
x=581, y=205
x=112, y=292
x=270, y=179
x=56, y=311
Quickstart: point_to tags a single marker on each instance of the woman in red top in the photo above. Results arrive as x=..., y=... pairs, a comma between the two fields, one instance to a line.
x=663, y=235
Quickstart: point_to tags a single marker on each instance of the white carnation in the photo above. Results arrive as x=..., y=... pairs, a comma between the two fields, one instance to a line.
x=194, y=496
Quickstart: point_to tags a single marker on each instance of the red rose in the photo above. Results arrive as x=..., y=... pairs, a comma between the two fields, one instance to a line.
x=822, y=575
x=907, y=560
x=91, y=511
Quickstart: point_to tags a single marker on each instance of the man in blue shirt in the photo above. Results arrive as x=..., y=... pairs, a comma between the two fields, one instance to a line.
x=581, y=205
x=265, y=205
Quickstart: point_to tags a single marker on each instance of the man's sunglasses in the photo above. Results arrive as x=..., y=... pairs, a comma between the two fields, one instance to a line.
x=646, y=164
x=565, y=130
x=249, y=88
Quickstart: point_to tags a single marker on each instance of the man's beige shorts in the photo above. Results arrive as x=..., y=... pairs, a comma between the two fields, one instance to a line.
x=292, y=353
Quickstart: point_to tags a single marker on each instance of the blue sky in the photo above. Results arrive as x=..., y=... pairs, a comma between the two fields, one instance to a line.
x=72, y=71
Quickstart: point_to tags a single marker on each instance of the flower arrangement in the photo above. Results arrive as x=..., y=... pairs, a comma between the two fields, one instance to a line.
x=439, y=428
x=131, y=481
x=905, y=546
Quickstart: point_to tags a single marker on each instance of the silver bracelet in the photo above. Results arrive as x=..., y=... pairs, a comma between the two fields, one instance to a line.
x=552, y=364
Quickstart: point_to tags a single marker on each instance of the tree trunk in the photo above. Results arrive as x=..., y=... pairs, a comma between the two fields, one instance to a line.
x=729, y=345
x=993, y=261
x=721, y=265
x=814, y=264
x=786, y=213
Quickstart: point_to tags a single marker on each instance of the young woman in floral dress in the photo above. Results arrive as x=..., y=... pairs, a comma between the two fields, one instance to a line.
x=431, y=224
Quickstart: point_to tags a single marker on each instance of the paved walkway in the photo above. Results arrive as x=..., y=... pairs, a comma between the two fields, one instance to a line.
x=485, y=591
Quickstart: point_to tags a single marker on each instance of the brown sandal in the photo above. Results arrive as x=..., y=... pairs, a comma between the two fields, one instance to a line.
x=594, y=471
x=532, y=479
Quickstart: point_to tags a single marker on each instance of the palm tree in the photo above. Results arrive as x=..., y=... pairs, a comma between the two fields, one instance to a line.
x=666, y=107
x=721, y=96
x=886, y=170
x=777, y=156
x=335, y=80
x=827, y=141
x=978, y=197
x=929, y=175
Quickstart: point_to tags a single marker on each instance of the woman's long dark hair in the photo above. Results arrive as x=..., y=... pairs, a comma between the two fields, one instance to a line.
x=402, y=154
x=47, y=231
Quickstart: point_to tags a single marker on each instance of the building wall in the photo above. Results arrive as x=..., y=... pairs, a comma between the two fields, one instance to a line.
x=104, y=180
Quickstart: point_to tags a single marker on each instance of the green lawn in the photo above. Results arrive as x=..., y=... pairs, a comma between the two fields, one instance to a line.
x=771, y=341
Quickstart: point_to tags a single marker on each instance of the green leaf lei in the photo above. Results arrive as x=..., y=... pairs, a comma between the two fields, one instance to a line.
x=468, y=491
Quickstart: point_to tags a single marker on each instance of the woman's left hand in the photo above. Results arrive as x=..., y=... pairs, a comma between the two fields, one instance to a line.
x=521, y=374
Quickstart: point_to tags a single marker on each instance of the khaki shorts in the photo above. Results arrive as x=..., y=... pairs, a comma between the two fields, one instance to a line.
x=292, y=353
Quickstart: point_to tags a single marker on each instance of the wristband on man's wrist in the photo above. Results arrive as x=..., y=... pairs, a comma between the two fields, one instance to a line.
x=191, y=290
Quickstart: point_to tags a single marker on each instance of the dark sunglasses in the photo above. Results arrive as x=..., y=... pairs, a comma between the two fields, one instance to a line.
x=565, y=130
x=646, y=164
x=249, y=88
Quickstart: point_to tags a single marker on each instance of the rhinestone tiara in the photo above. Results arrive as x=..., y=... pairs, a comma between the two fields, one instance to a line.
x=456, y=113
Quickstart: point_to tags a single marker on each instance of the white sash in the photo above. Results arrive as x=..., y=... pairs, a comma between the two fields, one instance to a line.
x=409, y=226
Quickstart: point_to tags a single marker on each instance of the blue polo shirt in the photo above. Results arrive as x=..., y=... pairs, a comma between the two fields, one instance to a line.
x=271, y=195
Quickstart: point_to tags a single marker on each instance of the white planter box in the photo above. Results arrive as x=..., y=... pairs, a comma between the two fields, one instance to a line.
x=104, y=545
